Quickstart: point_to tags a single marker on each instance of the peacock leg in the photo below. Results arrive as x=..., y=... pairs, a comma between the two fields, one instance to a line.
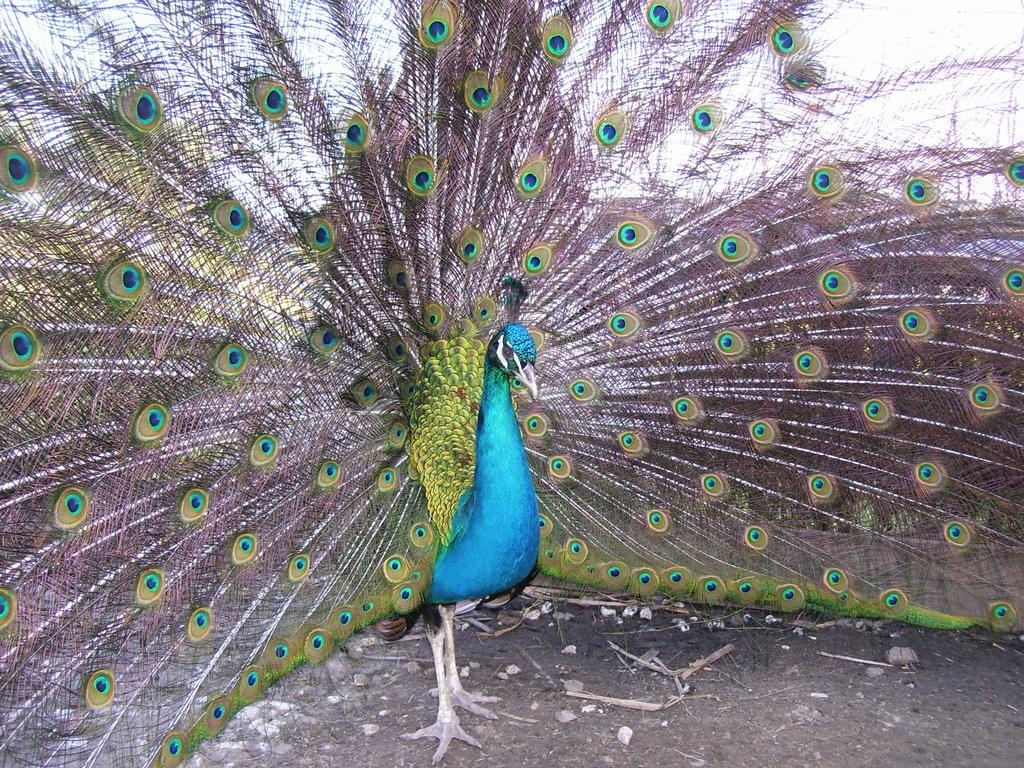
x=460, y=697
x=447, y=726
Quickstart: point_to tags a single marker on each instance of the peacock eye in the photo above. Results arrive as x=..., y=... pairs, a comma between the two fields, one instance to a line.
x=556, y=39
x=420, y=176
x=270, y=97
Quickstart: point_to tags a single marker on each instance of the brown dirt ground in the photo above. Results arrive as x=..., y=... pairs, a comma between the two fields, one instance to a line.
x=773, y=701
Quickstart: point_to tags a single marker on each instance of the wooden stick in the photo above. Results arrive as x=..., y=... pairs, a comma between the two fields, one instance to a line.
x=643, y=706
x=699, y=664
x=854, y=658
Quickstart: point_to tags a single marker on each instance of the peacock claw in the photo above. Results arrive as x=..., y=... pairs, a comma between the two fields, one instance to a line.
x=471, y=702
x=444, y=731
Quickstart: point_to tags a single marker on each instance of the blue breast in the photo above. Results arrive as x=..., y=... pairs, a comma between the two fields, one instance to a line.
x=497, y=536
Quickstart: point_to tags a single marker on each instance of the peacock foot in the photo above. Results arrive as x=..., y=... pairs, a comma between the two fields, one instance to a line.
x=444, y=731
x=469, y=701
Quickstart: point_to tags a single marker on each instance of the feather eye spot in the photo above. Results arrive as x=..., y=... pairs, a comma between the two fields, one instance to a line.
x=539, y=259
x=8, y=607
x=837, y=285
x=263, y=451
x=194, y=505
x=657, y=520
x=714, y=485
x=1002, y=615
x=151, y=423
x=624, y=325
x=324, y=340
x=532, y=178
x=1015, y=172
x=826, y=182
x=357, y=133
x=755, y=537
x=270, y=97
x=559, y=467
x=705, y=119
x=100, y=687
x=610, y=128
x=662, y=15
x=687, y=410
x=632, y=234
x=878, y=412
x=930, y=476
x=764, y=432
x=958, y=533
x=232, y=218
x=421, y=176
x=920, y=192
x=790, y=597
x=244, y=548
x=387, y=480
x=582, y=390
x=835, y=579
x=556, y=39
x=810, y=365
x=535, y=424
x=18, y=169
x=438, y=22
x=1013, y=282
x=788, y=39
x=632, y=443
x=985, y=399
x=730, y=343
x=917, y=324
x=822, y=488
x=19, y=349
x=139, y=108
x=894, y=602
x=736, y=249
x=200, y=625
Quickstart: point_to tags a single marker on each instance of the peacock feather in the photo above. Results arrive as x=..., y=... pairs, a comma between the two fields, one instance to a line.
x=276, y=278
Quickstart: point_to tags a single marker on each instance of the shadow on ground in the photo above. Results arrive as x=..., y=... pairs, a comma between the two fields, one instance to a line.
x=772, y=701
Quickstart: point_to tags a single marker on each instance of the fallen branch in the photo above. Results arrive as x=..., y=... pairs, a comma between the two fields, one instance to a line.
x=854, y=658
x=699, y=664
x=644, y=706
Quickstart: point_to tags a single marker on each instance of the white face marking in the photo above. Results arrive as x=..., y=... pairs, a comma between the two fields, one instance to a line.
x=501, y=352
x=525, y=375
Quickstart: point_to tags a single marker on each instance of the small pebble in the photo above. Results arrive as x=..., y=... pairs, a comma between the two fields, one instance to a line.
x=819, y=695
x=874, y=671
x=512, y=669
x=464, y=672
x=682, y=624
x=532, y=615
x=588, y=708
x=547, y=607
x=565, y=716
x=646, y=614
x=370, y=728
x=607, y=613
x=360, y=680
x=771, y=621
x=562, y=616
x=798, y=631
x=625, y=735
x=569, y=650
x=629, y=611
x=573, y=685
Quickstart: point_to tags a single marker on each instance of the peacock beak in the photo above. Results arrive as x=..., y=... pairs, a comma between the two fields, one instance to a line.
x=526, y=375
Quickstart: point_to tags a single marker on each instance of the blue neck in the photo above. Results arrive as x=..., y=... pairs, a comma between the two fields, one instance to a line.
x=497, y=537
x=501, y=468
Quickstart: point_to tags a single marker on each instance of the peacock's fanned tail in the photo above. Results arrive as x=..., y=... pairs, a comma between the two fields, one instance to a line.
x=779, y=310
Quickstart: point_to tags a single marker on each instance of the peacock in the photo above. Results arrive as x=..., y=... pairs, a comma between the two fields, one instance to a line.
x=316, y=314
